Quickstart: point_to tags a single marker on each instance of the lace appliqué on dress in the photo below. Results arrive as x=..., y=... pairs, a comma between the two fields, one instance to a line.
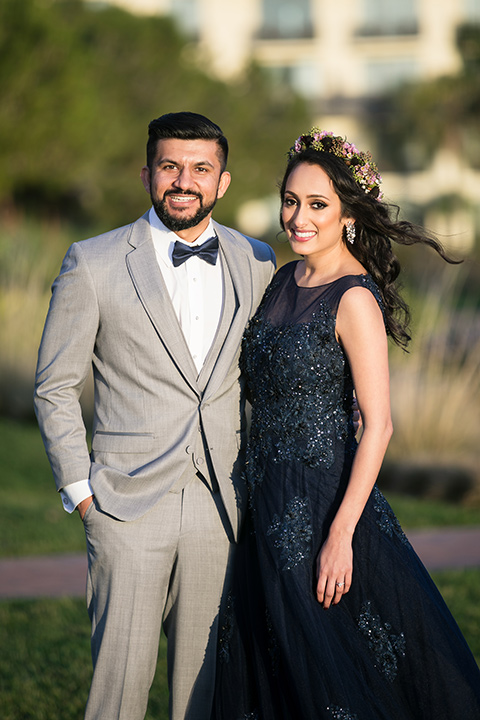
x=338, y=713
x=298, y=376
x=303, y=392
x=385, y=646
x=387, y=521
x=293, y=533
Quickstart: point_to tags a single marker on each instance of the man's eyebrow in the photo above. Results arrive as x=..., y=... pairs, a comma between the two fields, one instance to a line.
x=204, y=162
x=175, y=162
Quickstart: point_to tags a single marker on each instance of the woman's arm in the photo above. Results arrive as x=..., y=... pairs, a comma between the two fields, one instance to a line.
x=361, y=332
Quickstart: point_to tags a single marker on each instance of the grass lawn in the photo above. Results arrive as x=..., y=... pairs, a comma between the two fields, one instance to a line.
x=416, y=513
x=45, y=665
x=45, y=660
x=33, y=522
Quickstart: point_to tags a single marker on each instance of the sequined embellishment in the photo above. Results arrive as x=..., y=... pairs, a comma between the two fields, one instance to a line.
x=251, y=716
x=385, y=646
x=293, y=533
x=387, y=521
x=301, y=384
x=226, y=630
x=338, y=713
x=303, y=392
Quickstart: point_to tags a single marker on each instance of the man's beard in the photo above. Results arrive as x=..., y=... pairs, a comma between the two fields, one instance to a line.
x=176, y=224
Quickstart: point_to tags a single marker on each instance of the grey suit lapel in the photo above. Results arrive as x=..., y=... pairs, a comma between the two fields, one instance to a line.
x=151, y=289
x=237, y=307
x=229, y=308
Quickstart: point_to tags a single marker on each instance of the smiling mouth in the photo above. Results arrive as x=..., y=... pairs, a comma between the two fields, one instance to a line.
x=182, y=198
x=182, y=202
x=302, y=236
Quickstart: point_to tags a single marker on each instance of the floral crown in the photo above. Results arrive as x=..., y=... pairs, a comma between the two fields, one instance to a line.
x=360, y=164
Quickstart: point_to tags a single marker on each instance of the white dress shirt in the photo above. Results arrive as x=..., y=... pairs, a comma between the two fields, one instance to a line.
x=195, y=288
x=196, y=291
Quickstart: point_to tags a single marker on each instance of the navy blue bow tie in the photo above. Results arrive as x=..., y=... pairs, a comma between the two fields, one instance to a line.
x=208, y=251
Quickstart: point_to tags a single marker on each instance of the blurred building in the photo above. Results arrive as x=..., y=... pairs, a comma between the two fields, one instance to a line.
x=329, y=50
x=340, y=56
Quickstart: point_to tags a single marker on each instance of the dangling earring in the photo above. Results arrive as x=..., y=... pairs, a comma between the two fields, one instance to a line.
x=350, y=232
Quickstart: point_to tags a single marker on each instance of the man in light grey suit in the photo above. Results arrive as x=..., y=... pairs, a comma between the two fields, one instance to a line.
x=158, y=307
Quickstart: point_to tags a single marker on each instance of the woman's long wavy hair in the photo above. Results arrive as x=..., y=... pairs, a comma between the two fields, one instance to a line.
x=376, y=225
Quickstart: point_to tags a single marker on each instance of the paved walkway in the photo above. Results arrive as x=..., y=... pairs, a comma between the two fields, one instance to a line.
x=65, y=575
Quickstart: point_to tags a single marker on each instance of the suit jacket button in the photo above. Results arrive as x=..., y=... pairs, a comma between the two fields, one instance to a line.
x=200, y=461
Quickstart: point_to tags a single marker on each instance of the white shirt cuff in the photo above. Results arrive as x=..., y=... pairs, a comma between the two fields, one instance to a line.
x=74, y=493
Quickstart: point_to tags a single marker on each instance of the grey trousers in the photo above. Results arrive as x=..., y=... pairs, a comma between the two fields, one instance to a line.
x=168, y=566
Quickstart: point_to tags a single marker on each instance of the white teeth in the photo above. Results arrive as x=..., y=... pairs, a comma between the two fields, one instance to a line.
x=304, y=234
x=182, y=198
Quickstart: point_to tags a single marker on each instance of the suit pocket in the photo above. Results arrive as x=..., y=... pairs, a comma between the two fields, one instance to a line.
x=122, y=442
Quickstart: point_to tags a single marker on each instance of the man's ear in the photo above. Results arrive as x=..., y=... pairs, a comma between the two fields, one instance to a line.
x=145, y=175
x=225, y=179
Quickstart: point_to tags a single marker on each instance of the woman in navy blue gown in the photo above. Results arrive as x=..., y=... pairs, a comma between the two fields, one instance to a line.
x=331, y=613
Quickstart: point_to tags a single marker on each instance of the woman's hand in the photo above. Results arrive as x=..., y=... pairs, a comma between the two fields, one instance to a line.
x=334, y=570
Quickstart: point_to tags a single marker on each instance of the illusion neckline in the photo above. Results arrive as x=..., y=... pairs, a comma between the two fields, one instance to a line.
x=315, y=287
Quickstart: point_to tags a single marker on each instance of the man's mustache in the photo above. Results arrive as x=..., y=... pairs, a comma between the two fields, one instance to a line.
x=183, y=192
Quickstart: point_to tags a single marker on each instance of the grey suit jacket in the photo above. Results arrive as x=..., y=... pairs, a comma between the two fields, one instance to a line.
x=153, y=417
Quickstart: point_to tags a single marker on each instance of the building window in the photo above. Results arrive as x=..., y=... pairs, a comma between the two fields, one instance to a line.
x=472, y=11
x=383, y=75
x=303, y=78
x=389, y=17
x=185, y=14
x=286, y=19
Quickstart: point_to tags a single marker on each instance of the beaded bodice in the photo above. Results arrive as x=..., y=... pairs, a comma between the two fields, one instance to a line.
x=298, y=376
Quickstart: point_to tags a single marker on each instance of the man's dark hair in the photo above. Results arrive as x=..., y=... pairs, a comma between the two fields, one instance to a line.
x=185, y=126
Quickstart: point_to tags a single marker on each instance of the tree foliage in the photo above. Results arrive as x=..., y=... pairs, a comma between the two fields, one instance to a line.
x=80, y=84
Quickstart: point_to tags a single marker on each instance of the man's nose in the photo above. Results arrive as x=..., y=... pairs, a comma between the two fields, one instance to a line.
x=183, y=179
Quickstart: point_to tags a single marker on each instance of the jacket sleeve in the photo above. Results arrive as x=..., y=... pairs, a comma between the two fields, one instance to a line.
x=64, y=363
